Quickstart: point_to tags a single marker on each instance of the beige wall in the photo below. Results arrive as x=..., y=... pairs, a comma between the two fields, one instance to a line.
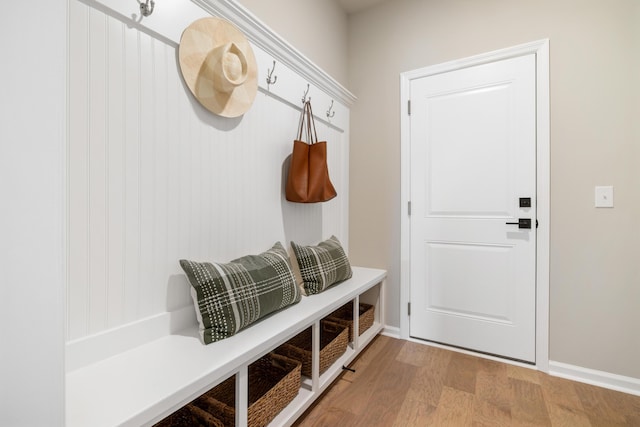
x=595, y=135
x=317, y=28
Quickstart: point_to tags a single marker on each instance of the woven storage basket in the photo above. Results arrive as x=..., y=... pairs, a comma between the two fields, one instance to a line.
x=190, y=416
x=274, y=381
x=344, y=316
x=333, y=344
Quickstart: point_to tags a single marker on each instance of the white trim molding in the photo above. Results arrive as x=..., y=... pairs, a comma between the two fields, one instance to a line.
x=391, y=331
x=541, y=49
x=598, y=378
x=264, y=37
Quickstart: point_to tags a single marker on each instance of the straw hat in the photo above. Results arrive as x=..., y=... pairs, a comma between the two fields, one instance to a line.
x=219, y=67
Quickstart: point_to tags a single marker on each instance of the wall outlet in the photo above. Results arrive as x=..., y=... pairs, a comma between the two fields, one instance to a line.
x=604, y=197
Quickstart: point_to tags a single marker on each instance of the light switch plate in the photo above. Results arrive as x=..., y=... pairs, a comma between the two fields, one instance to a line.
x=604, y=197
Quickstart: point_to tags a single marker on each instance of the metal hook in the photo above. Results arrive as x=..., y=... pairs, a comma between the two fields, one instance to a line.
x=304, y=97
x=270, y=80
x=146, y=8
x=330, y=113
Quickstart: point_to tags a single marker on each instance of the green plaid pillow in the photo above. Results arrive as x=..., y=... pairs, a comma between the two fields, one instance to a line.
x=323, y=265
x=230, y=297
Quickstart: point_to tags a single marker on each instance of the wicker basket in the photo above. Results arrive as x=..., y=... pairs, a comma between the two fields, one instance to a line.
x=344, y=316
x=190, y=416
x=274, y=381
x=333, y=344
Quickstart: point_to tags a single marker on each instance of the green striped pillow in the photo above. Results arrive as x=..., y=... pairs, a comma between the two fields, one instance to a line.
x=229, y=297
x=323, y=265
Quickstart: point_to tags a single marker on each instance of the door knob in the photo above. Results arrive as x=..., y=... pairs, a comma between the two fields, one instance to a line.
x=522, y=223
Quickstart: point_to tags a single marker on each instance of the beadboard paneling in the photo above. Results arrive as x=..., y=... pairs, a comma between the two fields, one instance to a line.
x=153, y=177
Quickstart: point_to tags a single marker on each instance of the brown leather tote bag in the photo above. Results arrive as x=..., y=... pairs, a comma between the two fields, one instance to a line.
x=308, y=179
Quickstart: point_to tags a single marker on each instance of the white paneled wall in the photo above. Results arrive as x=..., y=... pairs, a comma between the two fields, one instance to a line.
x=153, y=177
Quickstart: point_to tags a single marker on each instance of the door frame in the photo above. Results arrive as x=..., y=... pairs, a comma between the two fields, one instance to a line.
x=541, y=50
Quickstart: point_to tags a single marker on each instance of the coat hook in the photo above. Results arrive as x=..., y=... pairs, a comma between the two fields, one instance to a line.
x=270, y=80
x=146, y=8
x=330, y=113
x=304, y=97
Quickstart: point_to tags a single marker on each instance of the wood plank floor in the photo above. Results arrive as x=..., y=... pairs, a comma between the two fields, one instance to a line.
x=399, y=383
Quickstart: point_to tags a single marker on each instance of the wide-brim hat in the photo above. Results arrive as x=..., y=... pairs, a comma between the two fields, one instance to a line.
x=218, y=66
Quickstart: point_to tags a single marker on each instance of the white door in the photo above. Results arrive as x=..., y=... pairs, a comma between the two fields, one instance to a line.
x=473, y=174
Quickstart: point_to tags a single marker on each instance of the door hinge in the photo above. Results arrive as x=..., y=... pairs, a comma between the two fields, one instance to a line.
x=536, y=223
x=409, y=308
x=409, y=107
x=409, y=207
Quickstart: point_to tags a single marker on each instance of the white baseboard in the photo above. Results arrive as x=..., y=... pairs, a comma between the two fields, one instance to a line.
x=598, y=378
x=391, y=331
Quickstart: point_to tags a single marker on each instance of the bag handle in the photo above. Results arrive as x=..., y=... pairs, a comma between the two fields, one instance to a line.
x=311, y=122
x=306, y=123
x=301, y=124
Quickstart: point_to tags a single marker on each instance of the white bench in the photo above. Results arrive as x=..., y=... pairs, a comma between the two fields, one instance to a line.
x=140, y=385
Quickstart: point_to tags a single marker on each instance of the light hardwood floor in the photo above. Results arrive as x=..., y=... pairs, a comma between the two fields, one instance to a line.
x=399, y=383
